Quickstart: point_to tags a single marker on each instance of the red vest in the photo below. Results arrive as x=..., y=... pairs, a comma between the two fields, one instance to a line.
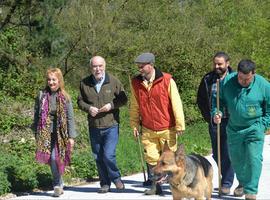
x=155, y=105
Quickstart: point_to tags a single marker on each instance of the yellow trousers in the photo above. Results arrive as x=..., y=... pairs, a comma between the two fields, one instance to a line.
x=153, y=142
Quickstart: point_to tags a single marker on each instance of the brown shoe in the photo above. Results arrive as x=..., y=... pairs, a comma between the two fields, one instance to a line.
x=250, y=196
x=239, y=191
x=119, y=185
x=225, y=191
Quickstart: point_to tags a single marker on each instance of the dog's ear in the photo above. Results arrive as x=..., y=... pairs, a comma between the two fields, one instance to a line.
x=166, y=147
x=180, y=152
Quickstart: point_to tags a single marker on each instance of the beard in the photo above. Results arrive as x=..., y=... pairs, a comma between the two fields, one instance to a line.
x=220, y=71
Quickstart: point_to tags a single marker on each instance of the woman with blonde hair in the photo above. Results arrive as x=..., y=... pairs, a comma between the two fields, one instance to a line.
x=54, y=127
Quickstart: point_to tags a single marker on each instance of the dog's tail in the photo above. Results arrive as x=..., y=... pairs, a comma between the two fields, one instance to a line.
x=206, y=165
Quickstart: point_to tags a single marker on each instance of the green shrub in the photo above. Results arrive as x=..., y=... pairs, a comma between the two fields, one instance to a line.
x=43, y=175
x=22, y=177
x=196, y=138
x=14, y=114
x=4, y=183
x=127, y=151
x=83, y=164
x=23, y=173
x=17, y=174
x=10, y=121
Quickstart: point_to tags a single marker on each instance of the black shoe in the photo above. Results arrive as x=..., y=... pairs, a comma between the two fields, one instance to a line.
x=147, y=183
x=104, y=189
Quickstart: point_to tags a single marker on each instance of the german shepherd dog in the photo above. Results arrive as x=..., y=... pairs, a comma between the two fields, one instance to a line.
x=189, y=176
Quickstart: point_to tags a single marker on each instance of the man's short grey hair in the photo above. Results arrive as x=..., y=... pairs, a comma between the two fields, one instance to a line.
x=91, y=60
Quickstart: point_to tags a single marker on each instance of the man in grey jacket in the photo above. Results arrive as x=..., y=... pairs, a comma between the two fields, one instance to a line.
x=101, y=95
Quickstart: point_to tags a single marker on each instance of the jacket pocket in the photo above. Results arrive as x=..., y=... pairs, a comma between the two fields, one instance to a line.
x=252, y=110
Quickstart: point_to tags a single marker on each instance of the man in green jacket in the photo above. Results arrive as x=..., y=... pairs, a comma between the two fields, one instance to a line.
x=101, y=95
x=247, y=98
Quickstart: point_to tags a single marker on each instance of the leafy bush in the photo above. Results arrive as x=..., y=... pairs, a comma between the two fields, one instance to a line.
x=10, y=121
x=21, y=177
x=18, y=169
x=14, y=114
x=21, y=168
x=44, y=176
x=196, y=138
x=17, y=174
x=21, y=85
x=83, y=165
x=5, y=185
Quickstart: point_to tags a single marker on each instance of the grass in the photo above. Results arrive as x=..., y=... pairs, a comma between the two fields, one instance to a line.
x=196, y=139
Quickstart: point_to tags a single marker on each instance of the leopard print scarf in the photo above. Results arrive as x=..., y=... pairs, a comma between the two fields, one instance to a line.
x=43, y=152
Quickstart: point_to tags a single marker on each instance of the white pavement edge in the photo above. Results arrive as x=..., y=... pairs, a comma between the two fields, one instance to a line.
x=134, y=188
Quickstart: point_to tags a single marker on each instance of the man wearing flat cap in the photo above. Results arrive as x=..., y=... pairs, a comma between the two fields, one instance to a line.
x=155, y=104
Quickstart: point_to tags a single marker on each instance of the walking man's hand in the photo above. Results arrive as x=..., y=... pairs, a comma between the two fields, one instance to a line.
x=106, y=108
x=217, y=118
x=93, y=111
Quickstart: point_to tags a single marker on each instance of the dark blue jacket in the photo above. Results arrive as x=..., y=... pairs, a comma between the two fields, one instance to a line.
x=204, y=93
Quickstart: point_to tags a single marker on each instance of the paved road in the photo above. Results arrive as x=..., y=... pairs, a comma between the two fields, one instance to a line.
x=134, y=189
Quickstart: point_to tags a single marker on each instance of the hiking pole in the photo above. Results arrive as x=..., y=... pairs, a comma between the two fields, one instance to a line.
x=138, y=138
x=141, y=155
x=218, y=142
